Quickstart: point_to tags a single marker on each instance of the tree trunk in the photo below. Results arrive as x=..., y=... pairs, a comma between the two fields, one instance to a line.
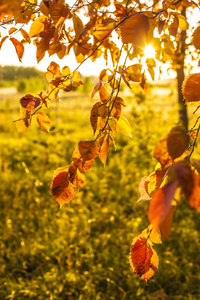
x=180, y=52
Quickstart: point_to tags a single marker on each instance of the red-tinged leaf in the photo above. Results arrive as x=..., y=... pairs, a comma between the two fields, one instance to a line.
x=94, y=116
x=19, y=47
x=61, y=189
x=103, y=93
x=117, y=107
x=124, y=126
x=37, y=26
x=25, y=35
x=3, y=40
x=104, y=151
x=177, y=141
x=194, y=199
x=30, y=102
x=42, y=46
x=11, y=30
x=143, y=189
x=43, y=120
x=63, y=83
x=191, y=88
x=161, y=202
x=96, y=88
x=78, y=25
x=143, y=258
x=88, y=150
x=134, y=30
x=166, y=224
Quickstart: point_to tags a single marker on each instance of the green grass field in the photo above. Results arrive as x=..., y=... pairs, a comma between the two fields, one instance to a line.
x=81, y=252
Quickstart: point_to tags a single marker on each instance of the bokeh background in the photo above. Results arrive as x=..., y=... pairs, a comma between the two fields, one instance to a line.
x=82, y=250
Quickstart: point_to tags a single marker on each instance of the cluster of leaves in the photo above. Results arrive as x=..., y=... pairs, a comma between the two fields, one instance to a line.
x=57, y=28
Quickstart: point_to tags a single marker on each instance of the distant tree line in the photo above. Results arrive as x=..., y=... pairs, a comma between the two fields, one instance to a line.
x=11, y=73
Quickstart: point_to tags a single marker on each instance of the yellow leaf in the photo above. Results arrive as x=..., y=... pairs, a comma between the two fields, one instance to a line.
x=37, y=26
x=183, y=24
x=43, y=120
x=124, y=126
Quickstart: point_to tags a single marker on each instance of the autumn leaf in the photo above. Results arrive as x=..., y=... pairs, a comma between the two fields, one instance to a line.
x=19, y=47
x=61, y=189
x=191, y=88
x=78, y=25
x=104, y=150
x=124, y=126
x=25, y=35
x=88, y=150
x=134, y=30
x=161, y=153
x=196, y=38
x=143, y=189
x=194, y=199
x=177, y=141
x=24, y=123
x=30, y=102
x=103, y=93
x=143, y=258
x=37, y=26
x=161, y=202
x=94, y=116
x=78, y=161
x=3, y=40
x=43, y=120
x=166, y=223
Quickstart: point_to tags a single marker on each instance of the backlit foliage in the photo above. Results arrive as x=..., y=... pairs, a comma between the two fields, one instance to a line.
x=116, y=31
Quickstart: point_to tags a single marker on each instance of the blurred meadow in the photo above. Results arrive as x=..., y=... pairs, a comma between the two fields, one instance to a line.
x=81, y=252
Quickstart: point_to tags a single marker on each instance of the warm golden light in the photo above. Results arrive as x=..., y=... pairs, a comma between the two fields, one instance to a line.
x=149, y=51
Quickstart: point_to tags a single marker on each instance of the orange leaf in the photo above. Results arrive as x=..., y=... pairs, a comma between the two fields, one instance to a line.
x=103, y=93
x=19, y=47
x=103, y=29
x=191, y=88
x=161, y=153
x=134, y=30
x=3, y=40
x=104, y=151
x=78, y=25
x=96, y=88
x=11, y=30
x=143, y=258
x=25, y=35
x=88, y=150
x=161, y=202
x=194, y=199
x=177, y=141
x=166, y=224
x=78, y=161
x=94, y=116
x=61, y=189
x=43, y=120
x=196, y=38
